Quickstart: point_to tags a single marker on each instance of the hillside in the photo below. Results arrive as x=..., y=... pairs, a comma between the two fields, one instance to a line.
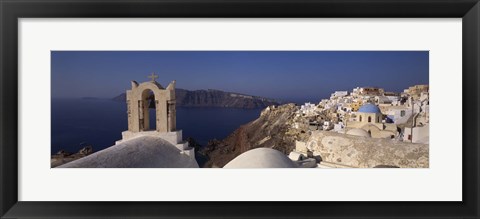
x=271, y=130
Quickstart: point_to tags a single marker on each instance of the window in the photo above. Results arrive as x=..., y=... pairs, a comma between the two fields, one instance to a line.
x=369, y=119
x=402, y=113
x=360, y=118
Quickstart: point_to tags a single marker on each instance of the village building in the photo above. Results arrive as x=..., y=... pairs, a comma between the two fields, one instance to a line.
x=369, y=114
x=417, y=128
x=398, y=114
x=370, y=118
x=392, y=96
x=416, y=90
x=339, y=127
x=367, y=91
x=418, y=134
x=382, y=100
x=356, y=105
x=337, y=94
x=308, y=109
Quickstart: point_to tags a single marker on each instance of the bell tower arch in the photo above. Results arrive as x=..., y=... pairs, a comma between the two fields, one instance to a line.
x=139, y=100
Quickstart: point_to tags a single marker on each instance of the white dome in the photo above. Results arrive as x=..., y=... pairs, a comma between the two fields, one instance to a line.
x=261, y=158
x=358, y=132
x=141, y=152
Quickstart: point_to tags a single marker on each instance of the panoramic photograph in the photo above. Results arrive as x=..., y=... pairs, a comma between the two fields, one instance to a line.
x=239, y=109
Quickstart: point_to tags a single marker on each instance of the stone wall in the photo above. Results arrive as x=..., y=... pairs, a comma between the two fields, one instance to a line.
x=364, y=152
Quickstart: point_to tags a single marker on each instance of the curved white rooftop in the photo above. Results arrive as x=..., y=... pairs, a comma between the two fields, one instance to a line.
x=261, y=158
x=359, y=132
x=140, y=152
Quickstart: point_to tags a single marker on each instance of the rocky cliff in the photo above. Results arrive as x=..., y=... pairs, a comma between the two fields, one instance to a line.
x=271, y=130
x=216, y=98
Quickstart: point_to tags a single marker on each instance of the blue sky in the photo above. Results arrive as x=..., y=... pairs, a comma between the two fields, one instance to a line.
x=296, y=76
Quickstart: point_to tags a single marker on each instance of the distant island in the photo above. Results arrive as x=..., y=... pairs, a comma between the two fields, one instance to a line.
x=216, y=98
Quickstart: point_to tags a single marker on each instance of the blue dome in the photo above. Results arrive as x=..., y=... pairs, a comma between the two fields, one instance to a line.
x=369, y=108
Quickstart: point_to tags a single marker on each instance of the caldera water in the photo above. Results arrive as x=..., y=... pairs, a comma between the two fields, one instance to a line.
x=99, y=122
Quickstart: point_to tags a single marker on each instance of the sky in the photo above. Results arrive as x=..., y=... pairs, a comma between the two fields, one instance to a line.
x=290, y=76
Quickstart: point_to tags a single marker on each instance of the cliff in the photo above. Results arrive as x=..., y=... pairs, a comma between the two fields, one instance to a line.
x=271, y=130
x=216, y=98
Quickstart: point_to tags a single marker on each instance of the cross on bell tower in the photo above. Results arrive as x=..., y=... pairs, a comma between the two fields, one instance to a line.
x=153, y=76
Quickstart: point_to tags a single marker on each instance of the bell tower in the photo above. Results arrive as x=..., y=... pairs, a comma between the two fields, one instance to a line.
x=140, y=99
x=146, y=95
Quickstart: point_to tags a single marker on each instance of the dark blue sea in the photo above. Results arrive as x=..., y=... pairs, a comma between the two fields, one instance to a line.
x=99, y=123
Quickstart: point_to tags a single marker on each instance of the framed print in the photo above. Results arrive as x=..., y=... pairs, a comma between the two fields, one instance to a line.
x=254, y=109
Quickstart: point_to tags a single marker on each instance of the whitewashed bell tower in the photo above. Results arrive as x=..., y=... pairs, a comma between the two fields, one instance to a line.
x=138, y=105
x=140, y=98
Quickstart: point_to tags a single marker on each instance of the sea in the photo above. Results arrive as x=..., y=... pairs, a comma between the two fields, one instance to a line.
x=76, y=123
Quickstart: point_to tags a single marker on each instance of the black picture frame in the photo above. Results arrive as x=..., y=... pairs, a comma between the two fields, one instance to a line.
x=12, y=10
